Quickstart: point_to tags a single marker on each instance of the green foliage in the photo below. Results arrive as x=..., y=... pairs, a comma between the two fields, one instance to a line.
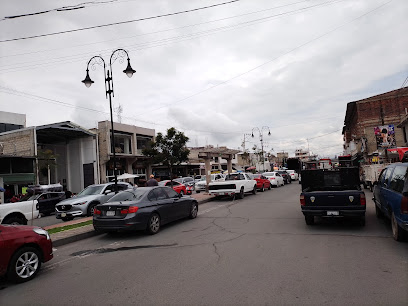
x=46, y=159
x=169, y=149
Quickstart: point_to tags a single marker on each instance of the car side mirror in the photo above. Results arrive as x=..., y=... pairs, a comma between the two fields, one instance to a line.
x=107, y=192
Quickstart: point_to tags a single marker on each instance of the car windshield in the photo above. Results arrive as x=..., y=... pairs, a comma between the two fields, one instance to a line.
x=129, y=195
x=91, y=190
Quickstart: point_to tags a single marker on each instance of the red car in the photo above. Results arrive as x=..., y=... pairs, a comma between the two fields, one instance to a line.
x=262, y=182
x=23, y=249
x=177, y=187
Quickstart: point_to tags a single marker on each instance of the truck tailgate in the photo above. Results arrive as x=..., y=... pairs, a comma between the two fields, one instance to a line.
x=344, y=198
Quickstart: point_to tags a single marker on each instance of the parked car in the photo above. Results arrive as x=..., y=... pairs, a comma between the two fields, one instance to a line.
x=262, y=182
x=179, y=188
x=144, y=208
x=391, y=198
x=83, y=204
x=200, y=186
x=187, y=181
x=234, y=184
x=275, y=178
x=197, y=178
x=47, y=201
x=285, y=175
x=293, y=175
x=23, y=249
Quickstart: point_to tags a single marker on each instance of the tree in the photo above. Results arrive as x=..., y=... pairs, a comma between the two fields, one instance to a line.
x=169, y=149
x=47, y=162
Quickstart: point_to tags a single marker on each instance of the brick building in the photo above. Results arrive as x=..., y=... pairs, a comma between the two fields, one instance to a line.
x=370, y=125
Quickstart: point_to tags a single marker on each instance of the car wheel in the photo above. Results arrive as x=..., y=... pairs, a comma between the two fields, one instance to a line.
x=193, y=211
x=309, y=220
x=67, y=219
x=153, y=225
x=362, y=221
x=24, y=264
x=397, y=231
x=241, y=193
x=14, y=221
x=198, y=191
x=270, y=186
x=263, y=188
x=254, y=190
x=91, y=208
x=379, y=214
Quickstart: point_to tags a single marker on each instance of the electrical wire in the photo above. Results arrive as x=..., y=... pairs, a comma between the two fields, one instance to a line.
x=121, y=22
x=160, y=42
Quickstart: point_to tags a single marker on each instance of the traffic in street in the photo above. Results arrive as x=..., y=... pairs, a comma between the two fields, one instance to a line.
x=255, y=250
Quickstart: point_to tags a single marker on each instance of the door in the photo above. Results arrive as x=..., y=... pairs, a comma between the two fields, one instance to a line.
x=89, y=177
x=159, y=198
x=179, y=206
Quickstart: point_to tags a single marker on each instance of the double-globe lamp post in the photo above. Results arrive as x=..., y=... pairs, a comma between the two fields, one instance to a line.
x=260, y=131
x=108, y=73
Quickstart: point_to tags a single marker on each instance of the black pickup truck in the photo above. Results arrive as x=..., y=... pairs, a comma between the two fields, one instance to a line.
x=332, y=193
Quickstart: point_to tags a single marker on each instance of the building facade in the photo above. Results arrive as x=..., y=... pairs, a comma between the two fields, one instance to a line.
x=370, y=125
x=129, y=143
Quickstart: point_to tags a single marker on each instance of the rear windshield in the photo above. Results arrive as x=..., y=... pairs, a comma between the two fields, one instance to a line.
x=235, y=176
x=128, y=195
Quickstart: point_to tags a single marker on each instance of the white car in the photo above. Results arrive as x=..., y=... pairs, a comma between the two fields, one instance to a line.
x=293, y=175
x=234, y=184
x=275, y=178
x=200, y=185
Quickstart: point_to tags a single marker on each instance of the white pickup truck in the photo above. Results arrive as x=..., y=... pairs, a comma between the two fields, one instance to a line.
x=234, y=184
x=18, y=212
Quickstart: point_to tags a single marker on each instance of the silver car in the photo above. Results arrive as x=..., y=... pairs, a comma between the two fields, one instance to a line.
x=83, y=204
x=200, y=185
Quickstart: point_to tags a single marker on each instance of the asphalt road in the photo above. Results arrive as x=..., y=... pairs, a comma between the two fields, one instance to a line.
x=252, y=251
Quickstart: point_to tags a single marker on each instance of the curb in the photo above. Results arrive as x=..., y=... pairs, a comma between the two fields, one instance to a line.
x=88, y=231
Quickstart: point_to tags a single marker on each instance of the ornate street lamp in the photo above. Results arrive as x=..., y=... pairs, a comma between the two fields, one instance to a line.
x=260, y=131
x=98, y=60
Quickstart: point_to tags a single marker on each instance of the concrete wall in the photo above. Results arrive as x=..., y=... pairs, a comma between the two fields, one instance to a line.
x=19, y=142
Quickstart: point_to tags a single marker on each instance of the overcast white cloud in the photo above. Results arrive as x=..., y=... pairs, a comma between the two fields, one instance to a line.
x=214, y=80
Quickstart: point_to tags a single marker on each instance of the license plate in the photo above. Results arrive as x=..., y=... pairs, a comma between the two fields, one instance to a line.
x=332, y=213
x=110, y=213
x=63, y=215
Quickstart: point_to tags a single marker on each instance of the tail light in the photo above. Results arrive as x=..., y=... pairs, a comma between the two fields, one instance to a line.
x=302, y=200
x=97, y=211
x=404, y=205
x=130, y=210
x=362, y=199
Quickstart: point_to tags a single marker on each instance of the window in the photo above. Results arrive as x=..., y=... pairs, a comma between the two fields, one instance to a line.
x=123, y=144
x=386, y=176
x=171, y=193
x=160, y=194
x=398, y=178
x=142, y=141
x=152, y=196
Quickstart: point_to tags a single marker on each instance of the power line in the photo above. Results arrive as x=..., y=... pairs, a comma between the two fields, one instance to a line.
x=274, y=59
x=160, y=31
x=121, y=22
x=162, y=42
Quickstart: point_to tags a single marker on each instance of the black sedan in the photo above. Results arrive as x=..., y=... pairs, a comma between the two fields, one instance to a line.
x=143, y=208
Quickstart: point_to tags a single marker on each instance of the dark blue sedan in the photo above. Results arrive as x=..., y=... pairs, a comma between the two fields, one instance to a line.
x=143, y=208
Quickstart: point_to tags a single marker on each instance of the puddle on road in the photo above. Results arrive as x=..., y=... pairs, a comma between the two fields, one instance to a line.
x=110, y=250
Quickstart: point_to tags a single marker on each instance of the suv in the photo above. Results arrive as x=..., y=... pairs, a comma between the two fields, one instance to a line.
x=286, y=176
x=391, y=198
x=83, y=204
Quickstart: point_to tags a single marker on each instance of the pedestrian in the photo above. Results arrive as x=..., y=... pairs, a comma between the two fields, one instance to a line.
x=152, y=182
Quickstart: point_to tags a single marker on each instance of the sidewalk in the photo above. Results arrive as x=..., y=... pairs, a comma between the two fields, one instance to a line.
x=87, y=231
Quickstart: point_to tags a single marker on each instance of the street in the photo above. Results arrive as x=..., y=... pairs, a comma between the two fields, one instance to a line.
x=253, y=251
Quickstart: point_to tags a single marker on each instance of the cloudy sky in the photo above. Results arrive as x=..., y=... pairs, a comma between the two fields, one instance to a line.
x=215, y=73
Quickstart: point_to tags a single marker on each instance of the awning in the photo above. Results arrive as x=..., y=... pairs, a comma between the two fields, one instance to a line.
x=399, y=151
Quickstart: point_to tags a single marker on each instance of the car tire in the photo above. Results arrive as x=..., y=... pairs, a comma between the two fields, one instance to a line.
x=241, y=193
x=397, y=232
x=378, y=213
x=153, y=224
x=198, y=191
x=67, y=219
x=309, y=220
x=193, y=211
x=362, y=221
x=270, y=186
x=14, y=221
x=21, y=260
x=263, y=188
x=254, y=190
x=90, y=209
